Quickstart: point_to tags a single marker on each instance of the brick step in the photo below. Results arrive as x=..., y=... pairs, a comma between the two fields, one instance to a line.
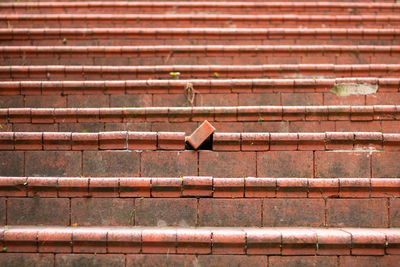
x=197, y=36
x=200, y=201
x=123, y=140
x=198, y=54
x=196, y=20
x=78, y=72
x=212, y=241
x=339, y=8
x=128, y=163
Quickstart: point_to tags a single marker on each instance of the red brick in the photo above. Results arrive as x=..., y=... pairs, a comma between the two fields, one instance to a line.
x=26, y=259
x=203, y=113
x=385, y=187
x=323, y=188
x=20, y=240
x=354, y=187
x=13, y=187
x=384, y=164
x=112, y=140
x=19, y=115
x=338, y=113
x=226, y=141
x=161, y=260
x=179, y=114
x=89, y=240
x=311, y=141
x=134, y=114
x=28, y=141
x=332, y=99
x=44, y=101
x=171, y=141
x=339, y=141
x=294, y=113
x=55, y=240
x=228, y=241
x=342, y=164
x=142, y=140
x=293, y=212
x=254, y=99
x=392, y=241
x=302, y=99
x=311, y=126
x=229, y=187
x=104, y=187
x=88, y=114
x=368, y=140
x=159, y=241
x=190, y=241
x=42, y=186
x=333, y=242
x=186, y=127
x=204, y=131
x=391, y=142
x=216, y=100
x=134, y=187
x=11, y=163
x=156, y=114
x=384, y=112
x=218, y=212
x=102, y=211
x=166, y=187
x=388, y=261
x=73, y=187
x=88, y=101
x=367, y=242
x=232, y=260
x=42, y=115
x=57, y=141
x=169, y=100
x=111, y=163
x=168, y=163
x=361, y=126
x=394, y=212
x=263, y=242
x=89, y=260
x=260, y=187
x=383, y=99
x=285, y=164
x=326, y=261
x=166, y=212
x=291, y=187
x=6, y=141
x=2, y=216
x=197, y=186
x=298, y=242
x=390, y=126
x=370, y=213
x=46, y=211
x=255, y=141
x=225, y=113
x=316, y=113
x=65, y=115
x=124, y=241
x=53, y=163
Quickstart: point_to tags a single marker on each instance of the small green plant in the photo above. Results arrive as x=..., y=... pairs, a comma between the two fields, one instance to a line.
x=4, y=249
x=26, y=183
x=64, y=41
x=84, y=131
x=6, y=227
x=216, y=74
x=260, y=118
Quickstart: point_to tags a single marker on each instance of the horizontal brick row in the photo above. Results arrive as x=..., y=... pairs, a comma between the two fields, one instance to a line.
x=265, y=141
x=199, y=33
x=56, y=72
x=200, y=186
x=195, y=114
x=92, y=141
x=160, y=20
x=250, y=241
x=210, y=7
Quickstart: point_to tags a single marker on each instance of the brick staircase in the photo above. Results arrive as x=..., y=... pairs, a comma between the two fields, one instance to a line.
x=98, y=99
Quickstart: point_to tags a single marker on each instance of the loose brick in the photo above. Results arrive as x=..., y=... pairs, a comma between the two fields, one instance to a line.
x=161, y=260
x=285, y=164
x=204, y=131
x=65, y=260
x=102, y=211
x=168, y=163
x=218, y=212
x=111, y=163
x=53, y=163
x=232, y=260
x=11, y=163
x=342, y=164
x=370, y=213
x=46, y=211
x=227, y=164
x=384, y=164
x=279, y=261
x=26, y=259
x=166, y=212
x=294, y=212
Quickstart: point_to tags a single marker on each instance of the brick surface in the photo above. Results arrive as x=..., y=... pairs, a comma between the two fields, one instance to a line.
x=306, y=261
x=142, y=140
x=125, y=240
x=42, y=187
x=232, y=260
x=161, y=260
x=55, y=240
x=191, y=241
x=26, y=259
x=89, y=240
x=159, y=240
x=342, y=164
x=395, y=212
x=11, y=163
x=166, y=212
x=65, y=260
x=134, y=187
x=2, y=211
x=389, y=261
x=228, y=241
x=285, y=164
x=168, y=163
x=85, y=141
x=111, y=163
x=57, y=141
x=227, y=164
x=265, y=242
x=218, y=212
x=293, y=212
x=196, y=186
x=102, y=211
x=112, y=140
x=33, y=211
x=53, y=163
x=229, y=187
x=384, y=164
x=171, y=140
x=370, y=213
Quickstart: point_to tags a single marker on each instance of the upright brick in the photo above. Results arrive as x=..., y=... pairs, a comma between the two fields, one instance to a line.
x=26, y=259
x=227, y=164
x=111, y=163
x=11, y=163
x=395, y=212
x=388, y=261
x=53, y=163
x=2, y=211
x=168, y=163
x=385, y=164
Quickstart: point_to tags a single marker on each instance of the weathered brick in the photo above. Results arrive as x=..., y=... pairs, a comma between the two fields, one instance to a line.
x=359, y=261
x=166, y=212
x=161, y=260
x=53, y=163
x=89, y=240
x=11, y=163
x=159, y=240
x=42, y=186
x=2, y=211
x=134, y=187
x=55, y=240
x=395, y=212
x=263, y=242
x=342, y=164
x=102, y=211
x=228, y=241
x=385, y=164
x=285, y=164
x=168, y=163
x=304, y=261
x=370, y=213
x=232, y=260
x=227, y=164
x=99, y=260
x=218, y=212
x=196, y=186
x=26, y=259
x=190, y=240
x=33, y=211
x=111, y=163
x=124, y=240
x=293, y=212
